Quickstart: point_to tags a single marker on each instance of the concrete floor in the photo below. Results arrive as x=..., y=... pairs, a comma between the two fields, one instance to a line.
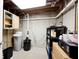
x=34, y=53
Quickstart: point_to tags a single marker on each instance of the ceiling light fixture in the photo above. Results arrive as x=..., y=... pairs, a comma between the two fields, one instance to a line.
x=24, y=4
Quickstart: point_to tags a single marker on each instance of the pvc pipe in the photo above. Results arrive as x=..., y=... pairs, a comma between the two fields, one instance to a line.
x=70, y=4
x=28, y=20
x=42, y=18
x=28, y=24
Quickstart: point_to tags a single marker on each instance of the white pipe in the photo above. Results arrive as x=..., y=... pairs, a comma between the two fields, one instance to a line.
x=70, y=4
x=28, y=22
x=43, y=18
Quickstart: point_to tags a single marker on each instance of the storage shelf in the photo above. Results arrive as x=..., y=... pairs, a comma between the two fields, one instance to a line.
x=7, y=20
x=7, y=23
x=8, y=17
x=10, y=20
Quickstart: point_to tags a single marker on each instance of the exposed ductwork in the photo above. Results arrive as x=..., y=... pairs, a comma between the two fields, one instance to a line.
x=54, y=3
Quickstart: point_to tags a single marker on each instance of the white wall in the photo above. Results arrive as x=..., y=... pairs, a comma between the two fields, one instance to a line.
x=1, y=26
x=38, y=28
x=1, y=19
x=69, y=19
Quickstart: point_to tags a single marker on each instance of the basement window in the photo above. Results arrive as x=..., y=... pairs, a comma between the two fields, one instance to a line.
x=25, y=4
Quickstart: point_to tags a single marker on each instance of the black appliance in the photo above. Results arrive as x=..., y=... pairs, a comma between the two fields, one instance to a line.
x=52, y=35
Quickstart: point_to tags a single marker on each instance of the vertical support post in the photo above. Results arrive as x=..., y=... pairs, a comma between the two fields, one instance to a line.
x=75, y=6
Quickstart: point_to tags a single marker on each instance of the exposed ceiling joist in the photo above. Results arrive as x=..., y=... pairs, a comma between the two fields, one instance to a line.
x=9, y=5
x=40, y=10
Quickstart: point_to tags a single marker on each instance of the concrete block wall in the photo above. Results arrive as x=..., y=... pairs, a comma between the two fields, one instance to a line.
x=37, y=31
